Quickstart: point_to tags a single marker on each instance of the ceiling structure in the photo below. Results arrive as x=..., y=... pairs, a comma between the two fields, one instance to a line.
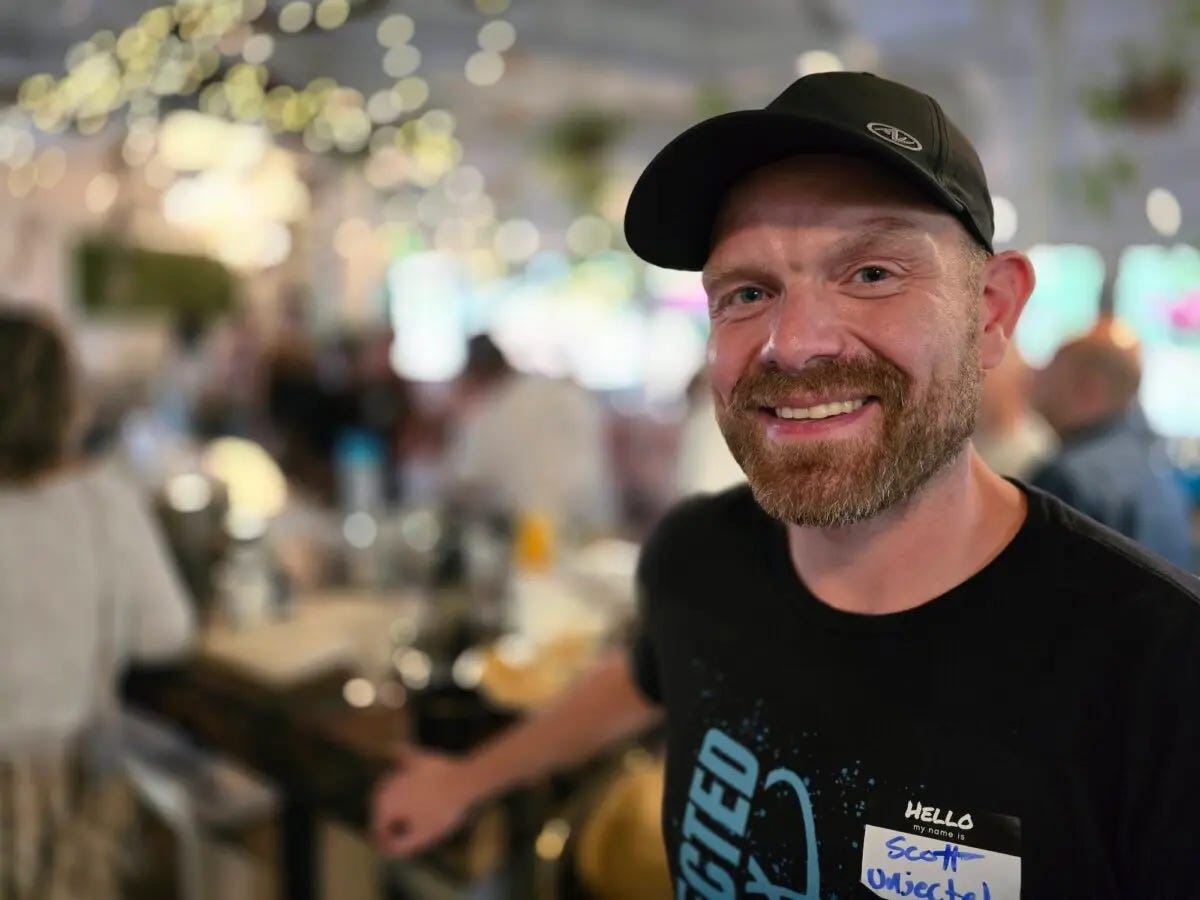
x=1010, y=71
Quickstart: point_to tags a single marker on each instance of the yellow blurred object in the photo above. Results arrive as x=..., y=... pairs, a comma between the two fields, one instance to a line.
x=621, y=855
x=532, y=678
x=535, y=544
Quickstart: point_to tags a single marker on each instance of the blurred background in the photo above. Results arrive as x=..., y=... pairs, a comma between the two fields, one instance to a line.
x=348, y=295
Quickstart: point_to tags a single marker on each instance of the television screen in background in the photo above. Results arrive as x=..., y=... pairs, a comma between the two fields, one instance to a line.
x=1157, y=293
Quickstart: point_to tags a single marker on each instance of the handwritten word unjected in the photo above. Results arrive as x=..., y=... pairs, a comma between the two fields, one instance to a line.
x=949, y=856
x=902, y=886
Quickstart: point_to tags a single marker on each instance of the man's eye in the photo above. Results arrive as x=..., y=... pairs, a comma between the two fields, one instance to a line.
x=747, y=295
x=872, y=275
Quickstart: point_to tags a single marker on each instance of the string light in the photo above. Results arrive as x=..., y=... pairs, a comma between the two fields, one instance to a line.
x=383, y=107
x=588, y=235
x=485, y=68
x=516, y=240
x=395, y=30
x=295, y=17
x=439, y=120
x=497, y=36
x=332, y=14
x=258, y=49
x=411, y=93
x=402, y=61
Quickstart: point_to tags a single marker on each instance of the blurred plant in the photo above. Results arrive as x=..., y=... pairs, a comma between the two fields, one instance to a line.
x=1149, y=92
x=1097, y=184
x=577, y=148
x=1154, y=82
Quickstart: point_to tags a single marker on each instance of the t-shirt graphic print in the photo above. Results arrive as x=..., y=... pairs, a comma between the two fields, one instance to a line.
x=1031, y=733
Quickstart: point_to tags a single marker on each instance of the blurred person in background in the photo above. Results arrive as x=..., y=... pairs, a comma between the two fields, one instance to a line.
x=381, y=402
x=879, y=654
x=305, y=412
x=1111, y=466
x=530, y=444
x=1012, y=438
x=421, y=451
x=85, y=586
x=705, y=463
x=181, y=379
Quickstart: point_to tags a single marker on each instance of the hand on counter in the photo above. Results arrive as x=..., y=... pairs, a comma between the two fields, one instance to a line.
x=425, y=798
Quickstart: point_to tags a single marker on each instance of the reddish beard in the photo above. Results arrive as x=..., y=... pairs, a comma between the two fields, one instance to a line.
x=841, y=481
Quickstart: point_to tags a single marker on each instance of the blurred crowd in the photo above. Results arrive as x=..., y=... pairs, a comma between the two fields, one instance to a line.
x=81, y=456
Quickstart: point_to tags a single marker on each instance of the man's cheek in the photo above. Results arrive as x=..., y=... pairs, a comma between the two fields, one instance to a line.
x=728, y=361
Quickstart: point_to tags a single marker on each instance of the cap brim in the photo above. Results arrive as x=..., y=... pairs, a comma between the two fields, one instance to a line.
x=671, y=212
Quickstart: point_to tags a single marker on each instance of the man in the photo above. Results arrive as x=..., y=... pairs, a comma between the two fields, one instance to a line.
x=1010, y=436
x=884, y=670
x=1111, y=466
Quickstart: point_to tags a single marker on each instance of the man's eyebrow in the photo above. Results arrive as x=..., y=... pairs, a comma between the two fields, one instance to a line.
x=878, y=231
x=712, y=278
x=872, y=233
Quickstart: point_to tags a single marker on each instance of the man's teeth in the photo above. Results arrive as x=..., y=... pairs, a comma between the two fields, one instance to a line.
x=822, y=411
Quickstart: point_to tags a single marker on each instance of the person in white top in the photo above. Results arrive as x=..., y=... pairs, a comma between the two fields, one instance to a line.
x=86, y=585
x=533, y=444
x=1011, y=436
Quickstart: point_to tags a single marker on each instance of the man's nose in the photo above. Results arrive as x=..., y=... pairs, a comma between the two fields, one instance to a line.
x=805, y=326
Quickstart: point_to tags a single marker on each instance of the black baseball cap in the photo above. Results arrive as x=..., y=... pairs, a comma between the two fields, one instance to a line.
x=674, y=205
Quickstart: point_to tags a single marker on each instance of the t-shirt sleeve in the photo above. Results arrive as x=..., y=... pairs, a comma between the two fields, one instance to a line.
x=643, y=663
x=644, y=654
x=1161, y=799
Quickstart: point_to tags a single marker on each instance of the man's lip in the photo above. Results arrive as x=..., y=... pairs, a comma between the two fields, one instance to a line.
x=809, y=402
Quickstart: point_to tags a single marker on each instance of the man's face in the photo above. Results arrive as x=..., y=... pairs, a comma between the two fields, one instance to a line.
x=844, y=350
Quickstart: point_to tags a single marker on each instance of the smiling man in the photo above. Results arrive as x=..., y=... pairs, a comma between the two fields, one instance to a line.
x=885, y=670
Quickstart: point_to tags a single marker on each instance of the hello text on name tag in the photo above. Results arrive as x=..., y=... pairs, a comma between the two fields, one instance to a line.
x=930, y=852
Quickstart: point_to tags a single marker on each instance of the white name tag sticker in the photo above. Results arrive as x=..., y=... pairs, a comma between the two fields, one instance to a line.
x=936, y=853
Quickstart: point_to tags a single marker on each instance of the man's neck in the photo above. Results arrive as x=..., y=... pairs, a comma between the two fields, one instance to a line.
x=951, y=529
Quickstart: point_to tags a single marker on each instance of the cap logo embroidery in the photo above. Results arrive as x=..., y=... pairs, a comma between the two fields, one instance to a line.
x=894, y=135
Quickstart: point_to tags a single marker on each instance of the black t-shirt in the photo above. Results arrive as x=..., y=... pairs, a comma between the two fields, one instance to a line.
x=1038, y=725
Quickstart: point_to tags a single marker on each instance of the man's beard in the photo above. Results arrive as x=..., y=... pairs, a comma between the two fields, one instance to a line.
x=841, y=481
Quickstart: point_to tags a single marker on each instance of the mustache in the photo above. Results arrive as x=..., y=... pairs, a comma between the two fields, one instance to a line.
x=858, y=376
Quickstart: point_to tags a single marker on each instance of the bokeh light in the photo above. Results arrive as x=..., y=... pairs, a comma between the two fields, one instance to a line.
x=497, y=36
x=1164, y=212
x=485, y=68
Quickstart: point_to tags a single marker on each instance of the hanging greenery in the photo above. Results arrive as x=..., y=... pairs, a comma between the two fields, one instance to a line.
x=1154, y=82
x=576, y=148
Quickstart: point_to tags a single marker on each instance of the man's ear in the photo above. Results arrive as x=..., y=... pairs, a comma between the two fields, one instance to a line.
x=1008, y=280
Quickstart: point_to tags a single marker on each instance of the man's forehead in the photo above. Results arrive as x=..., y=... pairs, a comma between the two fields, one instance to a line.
x=837, y=195
x=832, y=226
x=822, y=181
